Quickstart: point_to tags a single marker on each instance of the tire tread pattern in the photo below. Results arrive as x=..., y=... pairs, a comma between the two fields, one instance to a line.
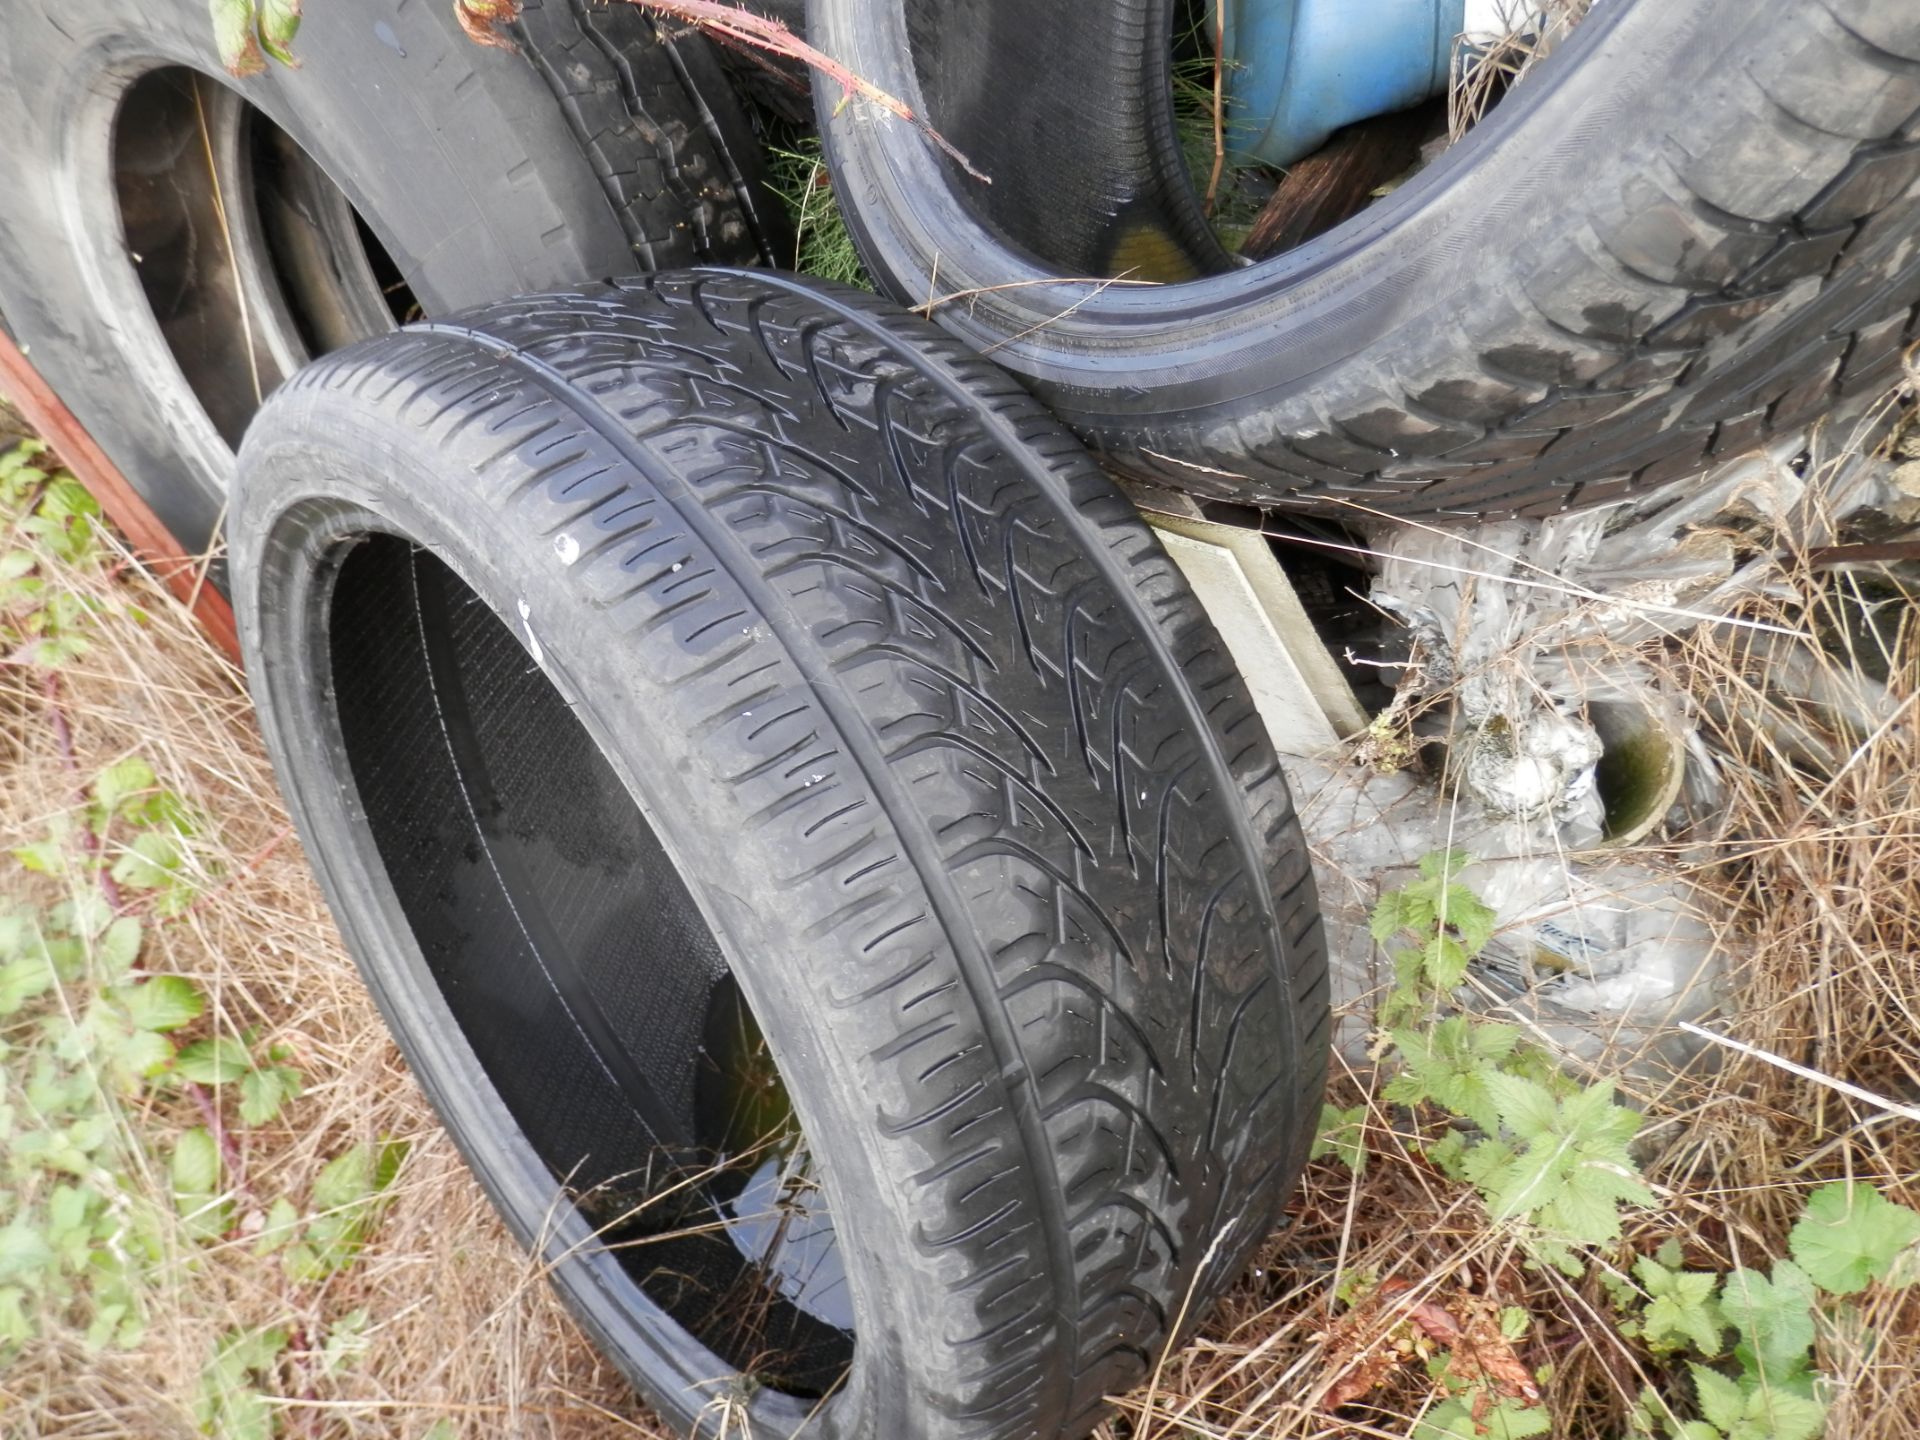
x=1017, y=786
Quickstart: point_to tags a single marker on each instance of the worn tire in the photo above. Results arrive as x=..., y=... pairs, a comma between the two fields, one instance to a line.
x=963, y=786
x=591, y=148
x=1693, y=227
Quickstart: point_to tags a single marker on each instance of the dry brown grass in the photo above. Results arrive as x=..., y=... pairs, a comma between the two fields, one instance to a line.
x=1819, y=869
x=462, y=1327
x=1815, y=854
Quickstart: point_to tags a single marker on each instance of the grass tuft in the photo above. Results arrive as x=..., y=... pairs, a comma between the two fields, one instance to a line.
x=822, y=246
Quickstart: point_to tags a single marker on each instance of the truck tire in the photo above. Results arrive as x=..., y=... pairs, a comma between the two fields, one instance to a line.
x=1691, y=228
x=724, y=645
x=172, y=243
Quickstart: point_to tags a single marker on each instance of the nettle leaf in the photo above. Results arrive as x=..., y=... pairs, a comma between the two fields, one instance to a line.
x=1764, y=1412
x=1774, y=1316
x=1574, y=1168
x=1444, y=961
x=1501, y=1419
x=1391, y=915
x=1342, y=1134
x=1440, y=864
x=43, y=857
x=230, y=1406
x=1721, y=1401
x=1850, y=1236
x=86, y=914
x=1524, y=1106
x=1680, y=1307
x=217, y=1060
x=166, y=1002
x=24, y=1251
x=1449, y=1066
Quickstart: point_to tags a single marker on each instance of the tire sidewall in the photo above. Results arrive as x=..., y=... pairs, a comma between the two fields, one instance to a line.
x=373, y=87
x=341, y=490
x=1236, y=348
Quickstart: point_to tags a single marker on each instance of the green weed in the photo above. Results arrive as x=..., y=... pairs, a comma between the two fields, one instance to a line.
x=1552, y=1161
x=125, y=1095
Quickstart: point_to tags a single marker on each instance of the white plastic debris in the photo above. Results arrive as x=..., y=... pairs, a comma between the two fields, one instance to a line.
x=1599, y=956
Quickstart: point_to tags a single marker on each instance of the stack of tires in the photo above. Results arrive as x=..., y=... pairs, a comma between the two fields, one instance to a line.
x=803, y=832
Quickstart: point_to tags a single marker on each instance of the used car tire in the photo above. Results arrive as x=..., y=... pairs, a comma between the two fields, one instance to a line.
x=594, y=147
x=721, y=629
x=1692, y=227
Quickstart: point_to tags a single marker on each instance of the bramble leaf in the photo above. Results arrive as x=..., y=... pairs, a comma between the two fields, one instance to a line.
x=1850, y=1235
x=216, y=1060
x=166, y=1002
x=265, y=1090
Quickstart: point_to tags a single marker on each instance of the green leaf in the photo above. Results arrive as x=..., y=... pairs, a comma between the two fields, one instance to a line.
x=1389, y=916
x=1574, y=1168
x=1442, y=864
x=279, y=22
x=166, y=1002
x=345, y=1180
x=23, y=980
x=265, y=1090
x=233, y=34
x=346, y=1342
x=1720, y=1399
x=149, y=862
x=1450, y=1065
x=1680, y=1307
x=118, y=948
x=1775, y=1413
x=1503, y=1419
x=142, y=1054
x=1850, y=1236
x=387, y=1161
x=43, y=857
x=121, y=781
x=1775, y=1316
x=24, y=1251
x=1342, y=1134
x=1526, y=1108
x=1444, y=959
x=217, y=1060
x=283, y=1221
x=196, y=1165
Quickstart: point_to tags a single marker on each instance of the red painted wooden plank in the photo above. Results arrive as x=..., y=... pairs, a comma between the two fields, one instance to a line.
x=184, y=574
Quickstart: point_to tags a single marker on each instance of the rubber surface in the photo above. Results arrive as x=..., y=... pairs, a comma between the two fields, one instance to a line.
x=993, y=838
x=483, y=172
x=1693, y=227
